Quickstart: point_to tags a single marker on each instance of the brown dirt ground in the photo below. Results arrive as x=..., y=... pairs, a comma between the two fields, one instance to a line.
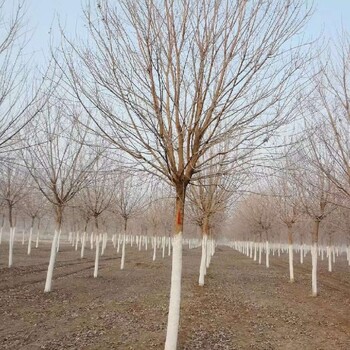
x=242, y=306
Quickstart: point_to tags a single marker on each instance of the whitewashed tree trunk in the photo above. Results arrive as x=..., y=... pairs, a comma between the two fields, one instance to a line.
x=97, y=255
x=37, y=238
x=260, y=253
x=58, y=241
x=267, y=255
x=329, y=255
x=154, y=248
x=1, y=230
x=30, y=241
x=255, y=250
x=314, y=269
x=208, y=254
x=291, y=267
x=302, y=254
x=163, y=247
x=175, y=294
x=169, y=246
x=118, y=246
x=122, y=262
x=77, y=242
x=92, y=241
x=11, y=244
x=83, y=245
x=202, y=268
x=54, y=249
x=23, y=233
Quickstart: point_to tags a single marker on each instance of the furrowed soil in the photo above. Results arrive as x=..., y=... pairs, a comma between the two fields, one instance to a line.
x=243, y=305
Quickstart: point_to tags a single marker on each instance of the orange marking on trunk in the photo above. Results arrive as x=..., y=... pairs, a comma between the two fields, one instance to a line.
x=179, y=218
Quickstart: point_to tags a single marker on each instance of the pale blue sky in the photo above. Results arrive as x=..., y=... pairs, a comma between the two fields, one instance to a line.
x=329, y=16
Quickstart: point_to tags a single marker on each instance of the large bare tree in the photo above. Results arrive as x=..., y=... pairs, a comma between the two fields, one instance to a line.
x=165, y=81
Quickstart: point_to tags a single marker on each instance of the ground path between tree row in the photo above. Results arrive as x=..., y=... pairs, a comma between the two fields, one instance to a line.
x=242, y=306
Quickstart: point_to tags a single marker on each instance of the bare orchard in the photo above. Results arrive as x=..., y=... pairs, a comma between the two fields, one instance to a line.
x=243, y=305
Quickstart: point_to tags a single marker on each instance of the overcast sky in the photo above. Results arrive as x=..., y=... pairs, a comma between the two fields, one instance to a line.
x=329, y=16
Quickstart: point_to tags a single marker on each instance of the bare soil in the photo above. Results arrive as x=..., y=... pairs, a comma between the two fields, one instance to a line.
x=243, y=305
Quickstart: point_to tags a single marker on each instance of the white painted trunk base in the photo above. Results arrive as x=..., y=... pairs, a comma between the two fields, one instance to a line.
x=175, y=295
x=11, y=243
x=97, y=255
x=54, y=249
x=314, y=269
x=291, y=267
x=122, y=261
x=202, y=268
x=83, y=245
x=30, y=241
x=267, y=255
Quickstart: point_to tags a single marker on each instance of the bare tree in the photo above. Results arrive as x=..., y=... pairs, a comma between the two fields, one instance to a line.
x=316, y=195
x=96, y=199
x=33, y=206
x=165, y=81
x=60, y=165
x=208, y=197
x=21, y=97
x=285, y=202
x=329, y=111
x=129, y=202
x=13, y=188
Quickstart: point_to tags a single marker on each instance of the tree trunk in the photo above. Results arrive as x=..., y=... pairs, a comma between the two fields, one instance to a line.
x=97, y=247
x=11, y=243
x=83, y=240
x=202, y=268
x=122, y=261
x=290, y=251
x=30, y=237
x=314, y=256
x=267, y=254
x=37, y=235
x=54, y=249
x=154, y=248
x=176, y=271
x=12, y=237
x=97, y=254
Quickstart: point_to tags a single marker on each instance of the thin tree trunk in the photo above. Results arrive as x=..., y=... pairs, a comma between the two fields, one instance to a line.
x=30, y=238
x=11, y=244
x=267, y=254
x=154, y=248
x=122, y=261
x=290, y=251
x=37, y=235
x=314, y=256
x=83, y=245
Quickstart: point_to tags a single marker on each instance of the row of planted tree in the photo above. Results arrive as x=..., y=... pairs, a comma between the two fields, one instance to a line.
x=210, y=100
